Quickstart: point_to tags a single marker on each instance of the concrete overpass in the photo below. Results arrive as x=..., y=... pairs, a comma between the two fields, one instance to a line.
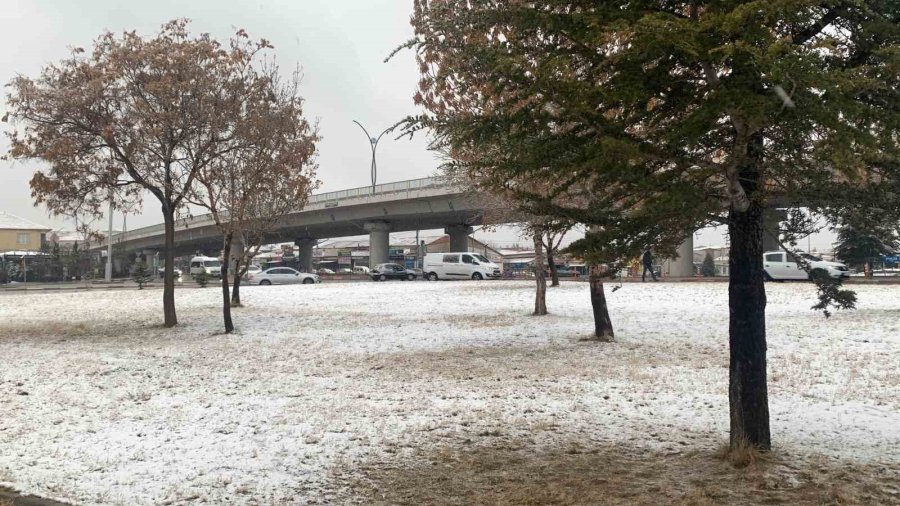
x=417, y=204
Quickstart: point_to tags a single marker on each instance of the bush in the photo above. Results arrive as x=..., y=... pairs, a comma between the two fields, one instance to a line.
x=201, y=278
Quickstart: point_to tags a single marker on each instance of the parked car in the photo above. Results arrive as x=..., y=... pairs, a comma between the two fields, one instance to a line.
x=162, y=272
x=384, y=272
x=323, y=270
x=361, y=269
x=563, y=272
x=210, y=265
x=283, y=276
x=345, y=270
x=780, y=266
x=253, y=269
x=459, y=266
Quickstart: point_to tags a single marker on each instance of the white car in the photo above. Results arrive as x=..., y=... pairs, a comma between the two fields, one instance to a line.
x=780, y=266
x=162, y=272
x=324, y=270
x=462, y=265
x=282, y=276
x=253, y=269
x=210, y=265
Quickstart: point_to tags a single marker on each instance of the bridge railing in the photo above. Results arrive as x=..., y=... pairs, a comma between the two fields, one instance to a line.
x=381, y=189
x=321, y=198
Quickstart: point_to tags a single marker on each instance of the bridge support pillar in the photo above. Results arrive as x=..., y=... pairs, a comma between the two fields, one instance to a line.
x=150, y=260
x=772, y=219
x=305, y=253
x=459, y=237
x=683, y=266
x=379, y=242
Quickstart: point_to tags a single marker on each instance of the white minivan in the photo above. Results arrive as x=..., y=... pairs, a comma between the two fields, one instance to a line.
x=210, y=265
x=459, y=266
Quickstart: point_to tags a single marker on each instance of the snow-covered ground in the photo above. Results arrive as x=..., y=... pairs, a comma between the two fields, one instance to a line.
x=100, y=405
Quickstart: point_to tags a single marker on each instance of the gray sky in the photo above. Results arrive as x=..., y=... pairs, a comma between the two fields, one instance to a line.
x=340, y=44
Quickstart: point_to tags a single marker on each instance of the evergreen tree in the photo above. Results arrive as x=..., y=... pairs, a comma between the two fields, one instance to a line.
x=860, y=246
x=708, y=268
x=201, y=278
x=56, y=261
x=647, y=119
x=141, y=274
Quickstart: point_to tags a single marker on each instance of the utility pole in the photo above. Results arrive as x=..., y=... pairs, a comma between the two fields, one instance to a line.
x=109, y=240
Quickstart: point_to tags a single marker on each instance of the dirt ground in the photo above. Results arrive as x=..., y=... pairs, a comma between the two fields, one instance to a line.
x=616, y=475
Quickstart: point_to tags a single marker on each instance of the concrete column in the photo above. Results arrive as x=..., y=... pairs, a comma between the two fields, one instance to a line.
x=149, y=257
x=237, y=249
x=379, y=242
x=459, y=237
x=772, y=219
x=683, y=266
x=305, y=255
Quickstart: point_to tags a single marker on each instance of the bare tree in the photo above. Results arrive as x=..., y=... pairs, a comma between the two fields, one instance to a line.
x=270, y=173
x=554, y=233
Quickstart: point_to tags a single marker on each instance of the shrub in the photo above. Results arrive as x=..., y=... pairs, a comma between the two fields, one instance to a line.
x=201, y=278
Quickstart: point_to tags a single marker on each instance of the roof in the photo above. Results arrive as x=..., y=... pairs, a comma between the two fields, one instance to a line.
x=12, y=222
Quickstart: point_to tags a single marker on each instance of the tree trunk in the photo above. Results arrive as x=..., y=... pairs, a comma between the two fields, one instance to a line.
x=170, y=318
x=236, y=284
x=226, y=296
x=747, y=390
x=554, y=276
x=603, y=328
x=540, y=295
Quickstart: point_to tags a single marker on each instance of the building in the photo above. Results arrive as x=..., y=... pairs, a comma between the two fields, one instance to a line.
x=719, y=254
x=19, y=234
x=442, y=245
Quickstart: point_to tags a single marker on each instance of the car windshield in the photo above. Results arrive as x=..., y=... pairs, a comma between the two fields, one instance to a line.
x=481, y=258
x=811, y=257
x=211, y=263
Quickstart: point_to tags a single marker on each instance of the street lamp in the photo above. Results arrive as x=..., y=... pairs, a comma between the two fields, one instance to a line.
x=373, y=142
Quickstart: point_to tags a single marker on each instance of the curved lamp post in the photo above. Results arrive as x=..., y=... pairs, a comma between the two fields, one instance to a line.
x=373, y=142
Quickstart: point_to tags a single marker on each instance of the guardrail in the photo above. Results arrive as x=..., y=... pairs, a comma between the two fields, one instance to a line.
x=328, y=199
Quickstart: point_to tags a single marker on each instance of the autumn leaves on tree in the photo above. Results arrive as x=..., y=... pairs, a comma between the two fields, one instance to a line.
x=162, y=115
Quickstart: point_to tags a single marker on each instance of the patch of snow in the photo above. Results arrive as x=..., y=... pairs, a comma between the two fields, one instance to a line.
x=100, y=405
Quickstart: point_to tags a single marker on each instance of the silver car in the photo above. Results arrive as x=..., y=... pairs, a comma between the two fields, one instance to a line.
x=282, y=276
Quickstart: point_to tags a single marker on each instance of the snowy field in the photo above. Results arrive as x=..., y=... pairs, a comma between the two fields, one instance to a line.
x=325, y=386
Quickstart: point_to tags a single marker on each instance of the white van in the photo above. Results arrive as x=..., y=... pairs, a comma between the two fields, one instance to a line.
x=210, y=265
x=459, y=266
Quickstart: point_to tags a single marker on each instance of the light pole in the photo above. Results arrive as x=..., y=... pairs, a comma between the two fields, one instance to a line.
x=373, y=142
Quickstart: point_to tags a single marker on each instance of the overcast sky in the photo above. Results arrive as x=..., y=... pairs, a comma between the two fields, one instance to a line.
x=340, y=44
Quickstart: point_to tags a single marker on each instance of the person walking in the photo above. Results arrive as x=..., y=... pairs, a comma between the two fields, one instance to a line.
x=648, y=266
